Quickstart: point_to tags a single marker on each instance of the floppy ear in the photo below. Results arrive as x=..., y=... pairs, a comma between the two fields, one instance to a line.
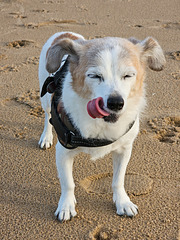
x=152, y=53
x=134, y=40
x=56, y=52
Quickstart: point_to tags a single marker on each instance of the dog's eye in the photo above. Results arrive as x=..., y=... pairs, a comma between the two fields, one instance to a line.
x=100, y=77
x=129, y=76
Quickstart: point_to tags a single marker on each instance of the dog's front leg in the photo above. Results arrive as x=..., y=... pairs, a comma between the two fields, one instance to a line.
x=120, y=161
x=67, y=201
x=46, y=139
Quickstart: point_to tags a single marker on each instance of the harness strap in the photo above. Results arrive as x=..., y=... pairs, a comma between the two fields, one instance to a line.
x=71, y=138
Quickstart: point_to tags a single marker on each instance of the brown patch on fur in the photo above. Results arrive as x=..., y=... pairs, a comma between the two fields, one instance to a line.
x=150, y=45
x=78, y=71
x=52, y=95
x=65, y=35
x=62, y=36
x=137, y=89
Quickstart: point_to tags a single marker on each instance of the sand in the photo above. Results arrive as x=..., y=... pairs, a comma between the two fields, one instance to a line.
x=30, y=188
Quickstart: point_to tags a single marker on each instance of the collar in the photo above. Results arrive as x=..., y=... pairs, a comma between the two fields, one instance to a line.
x=67, y=134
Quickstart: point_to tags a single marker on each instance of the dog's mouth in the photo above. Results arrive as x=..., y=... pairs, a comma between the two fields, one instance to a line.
x=95, y=108
x=111, y=118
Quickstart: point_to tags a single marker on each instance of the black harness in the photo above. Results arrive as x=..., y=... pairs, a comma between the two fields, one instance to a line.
x=67, y=134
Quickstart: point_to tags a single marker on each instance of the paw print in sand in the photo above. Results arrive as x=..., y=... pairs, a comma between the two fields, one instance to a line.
x=167, y=129
x=19, y=43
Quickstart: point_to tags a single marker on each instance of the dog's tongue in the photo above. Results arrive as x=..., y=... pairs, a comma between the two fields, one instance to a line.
x=95, y=108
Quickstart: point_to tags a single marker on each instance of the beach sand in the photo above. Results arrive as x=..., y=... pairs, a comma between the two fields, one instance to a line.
x=30, y=189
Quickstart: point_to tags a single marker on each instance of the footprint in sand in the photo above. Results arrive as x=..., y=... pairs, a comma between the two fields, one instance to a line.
x=167, y=129
x=51, y=22
x=3, y=56
x=176, y=75
x=15, y=68
x=20, y=134
x=19, y=43
x=13, y=130
x=17, y=15
x=9, y=68
x=135, y=184
x=31, y=99
x=171, y=25
x=174, y=55
x=103, y=232
x=40, y=11
x=32, y=60
x=166, y=25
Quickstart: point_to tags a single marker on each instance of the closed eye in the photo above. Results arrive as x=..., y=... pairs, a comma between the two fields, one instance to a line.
x=99, y=77
x=129, y=75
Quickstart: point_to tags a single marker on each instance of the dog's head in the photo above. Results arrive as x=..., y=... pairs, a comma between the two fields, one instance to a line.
x=110, y=68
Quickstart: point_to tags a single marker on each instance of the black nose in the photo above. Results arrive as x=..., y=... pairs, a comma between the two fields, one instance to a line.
x=115, y=103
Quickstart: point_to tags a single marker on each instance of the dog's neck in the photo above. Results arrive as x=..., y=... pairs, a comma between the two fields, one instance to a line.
x=69, y=136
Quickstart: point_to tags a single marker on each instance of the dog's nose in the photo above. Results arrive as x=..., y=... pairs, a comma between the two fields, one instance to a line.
x=115, y=103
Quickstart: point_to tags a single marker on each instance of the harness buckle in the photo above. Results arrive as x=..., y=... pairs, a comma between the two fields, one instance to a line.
x=67, y=139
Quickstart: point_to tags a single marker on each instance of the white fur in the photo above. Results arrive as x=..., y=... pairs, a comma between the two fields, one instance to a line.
x=108, y=63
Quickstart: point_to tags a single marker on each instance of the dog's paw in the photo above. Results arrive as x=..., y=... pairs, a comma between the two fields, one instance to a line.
x=46, y=140
x=124, y=206
x=66, y=209
x=127, y=208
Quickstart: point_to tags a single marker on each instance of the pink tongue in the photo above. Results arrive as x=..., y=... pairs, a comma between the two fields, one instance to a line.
x=95, y=108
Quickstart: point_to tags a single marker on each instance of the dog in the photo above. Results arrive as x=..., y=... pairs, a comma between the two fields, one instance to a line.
x=102, y=96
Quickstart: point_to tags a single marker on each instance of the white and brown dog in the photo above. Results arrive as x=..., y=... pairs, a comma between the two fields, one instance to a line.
x=102, y=94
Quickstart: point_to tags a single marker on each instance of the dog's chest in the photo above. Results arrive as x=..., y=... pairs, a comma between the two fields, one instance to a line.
x=98, y=152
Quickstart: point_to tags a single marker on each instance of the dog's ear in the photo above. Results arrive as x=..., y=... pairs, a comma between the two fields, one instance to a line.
x=56, y=52
x=152, y=53
x=134, y=40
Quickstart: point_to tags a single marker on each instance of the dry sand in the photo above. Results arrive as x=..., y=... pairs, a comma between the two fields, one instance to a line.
x=29, y=186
